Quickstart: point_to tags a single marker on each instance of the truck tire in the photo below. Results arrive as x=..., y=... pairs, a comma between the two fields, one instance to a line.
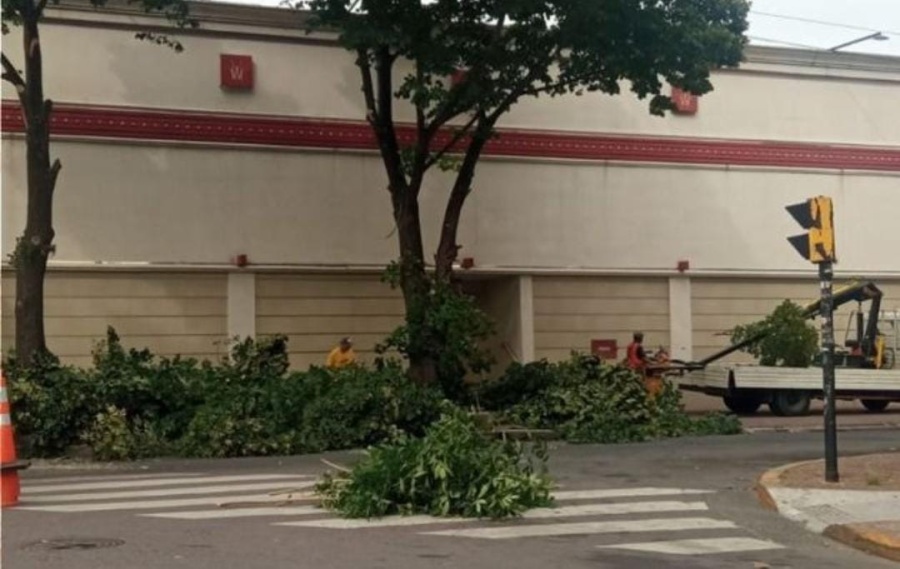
x=742, y=404
x=875, y=405
x=789, y=403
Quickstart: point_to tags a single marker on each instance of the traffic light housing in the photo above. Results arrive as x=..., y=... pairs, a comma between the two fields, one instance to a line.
x=817, y=216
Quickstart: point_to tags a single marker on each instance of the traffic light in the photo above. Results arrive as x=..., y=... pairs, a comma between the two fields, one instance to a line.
x=816, y=215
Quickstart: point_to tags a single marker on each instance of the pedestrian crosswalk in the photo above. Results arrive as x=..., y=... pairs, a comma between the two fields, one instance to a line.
x=651, y=520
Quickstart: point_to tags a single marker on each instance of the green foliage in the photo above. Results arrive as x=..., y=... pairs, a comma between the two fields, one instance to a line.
x=133, y=404
x=585, y=400
x=51, y=404
x=110, y=436
x=15, y=12
x=446, y=327
x=353, y=407
x=454, y=470
x=518, y=48
x=505, y=50
x=115, y=436
x=786, y=337
x=314, y=411
x=162, y=391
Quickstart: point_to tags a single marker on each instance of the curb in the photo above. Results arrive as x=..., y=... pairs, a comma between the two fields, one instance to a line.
x=772, y=478
x=819, y=429
x=866, y=538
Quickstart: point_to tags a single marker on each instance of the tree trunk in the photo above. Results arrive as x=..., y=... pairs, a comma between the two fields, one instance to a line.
x=415, y=286
x=448, y=248
x=36, y=243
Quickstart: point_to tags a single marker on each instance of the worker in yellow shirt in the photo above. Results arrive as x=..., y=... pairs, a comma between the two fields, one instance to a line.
x=342, y=355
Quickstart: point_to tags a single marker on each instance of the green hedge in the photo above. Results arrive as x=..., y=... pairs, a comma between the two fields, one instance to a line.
x=132, y=404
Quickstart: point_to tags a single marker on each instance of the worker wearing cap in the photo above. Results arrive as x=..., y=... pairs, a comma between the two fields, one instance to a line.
x=342, y=355
x=636, y=357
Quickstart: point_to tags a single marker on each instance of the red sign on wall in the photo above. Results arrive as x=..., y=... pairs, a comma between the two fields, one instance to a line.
x=605, y=349
x=685, y=103
x=236, y=72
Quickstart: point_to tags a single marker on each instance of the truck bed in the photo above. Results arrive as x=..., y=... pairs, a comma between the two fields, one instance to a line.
x=720, y=379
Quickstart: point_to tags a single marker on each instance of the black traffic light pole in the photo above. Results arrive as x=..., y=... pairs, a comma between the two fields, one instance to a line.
x=826, y=276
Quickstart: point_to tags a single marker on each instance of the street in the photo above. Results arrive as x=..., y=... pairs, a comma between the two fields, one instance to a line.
x=851, y=415
x=681, y=503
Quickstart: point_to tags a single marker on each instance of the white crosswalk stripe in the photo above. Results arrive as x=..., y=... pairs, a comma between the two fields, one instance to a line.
x=162, y=492
x=146, y=483
x=281, y=485
x=677, y=521
x=537, y=513
x=699, y=546
x=585, y=528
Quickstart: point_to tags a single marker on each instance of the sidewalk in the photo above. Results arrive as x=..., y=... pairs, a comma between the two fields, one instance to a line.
x=862, y=510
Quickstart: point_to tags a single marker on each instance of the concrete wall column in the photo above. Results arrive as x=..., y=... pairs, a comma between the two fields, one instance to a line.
x=241, y=305
x=526, y=318
x=681, y=329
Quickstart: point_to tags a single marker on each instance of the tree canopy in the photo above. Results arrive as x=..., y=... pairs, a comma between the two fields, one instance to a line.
x=465, y=63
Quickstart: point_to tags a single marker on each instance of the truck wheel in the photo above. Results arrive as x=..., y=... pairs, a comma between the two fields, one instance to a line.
x=875, y=405
x=789, y=403
x=742, y=404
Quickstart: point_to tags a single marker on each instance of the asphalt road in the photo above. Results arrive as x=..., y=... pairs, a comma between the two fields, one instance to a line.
x=850, y=415
x=617, y=515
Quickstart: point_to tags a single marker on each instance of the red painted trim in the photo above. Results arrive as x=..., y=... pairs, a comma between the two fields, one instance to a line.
x=146, y=124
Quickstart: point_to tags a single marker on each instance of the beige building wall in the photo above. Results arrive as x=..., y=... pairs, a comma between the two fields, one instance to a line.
x=193, y=206
x=783, y=98
x=168, y=313
x=569, y=312
x=721, y=304
x=315, y=311
x=331, y=209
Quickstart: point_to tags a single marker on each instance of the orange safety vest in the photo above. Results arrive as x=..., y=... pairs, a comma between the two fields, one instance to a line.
x=633, y=360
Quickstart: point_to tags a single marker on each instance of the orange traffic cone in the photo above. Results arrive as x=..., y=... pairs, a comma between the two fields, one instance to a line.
x=9, y=464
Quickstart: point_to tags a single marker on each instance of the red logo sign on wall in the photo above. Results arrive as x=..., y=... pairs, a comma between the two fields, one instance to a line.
x=236, y=72
x=605, y=349
x=685, y=103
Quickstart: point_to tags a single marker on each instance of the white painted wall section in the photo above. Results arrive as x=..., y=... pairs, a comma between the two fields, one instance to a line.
x=526, y=318
x=242, y=305
x=680, y=320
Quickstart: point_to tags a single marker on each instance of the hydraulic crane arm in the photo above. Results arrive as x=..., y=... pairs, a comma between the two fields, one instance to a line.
x=857, y=292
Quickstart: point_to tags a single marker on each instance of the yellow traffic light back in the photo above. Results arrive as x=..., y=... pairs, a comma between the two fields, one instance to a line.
x=821, y=234
x=816, y=215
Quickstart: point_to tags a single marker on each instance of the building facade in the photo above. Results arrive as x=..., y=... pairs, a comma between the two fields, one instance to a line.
x=188, y=213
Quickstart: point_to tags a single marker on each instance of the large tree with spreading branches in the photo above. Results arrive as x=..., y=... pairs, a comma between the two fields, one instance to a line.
x=34, y=247
x=465, y=63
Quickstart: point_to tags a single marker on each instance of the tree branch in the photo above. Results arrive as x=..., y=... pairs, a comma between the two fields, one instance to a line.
x=450, y=108
x=387, y=134
x=447, y=247
x=40, y=7
x=379, y=113
x=365, y=69
x=54, y=173
x=453, y=142
x=12, y=75
x=423, y=140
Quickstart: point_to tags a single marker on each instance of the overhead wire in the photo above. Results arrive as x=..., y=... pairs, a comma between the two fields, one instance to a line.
x=788, y=43
x=822, y=22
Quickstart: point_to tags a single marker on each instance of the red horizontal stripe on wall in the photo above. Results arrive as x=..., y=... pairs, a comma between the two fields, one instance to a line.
x=144, y=124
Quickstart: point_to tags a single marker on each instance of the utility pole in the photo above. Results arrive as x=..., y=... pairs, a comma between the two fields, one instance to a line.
x=826, y=310
x=817, y=246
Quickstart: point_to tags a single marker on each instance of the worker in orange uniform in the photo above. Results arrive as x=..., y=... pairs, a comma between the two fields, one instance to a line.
x=636, y=357
x=342, y=355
